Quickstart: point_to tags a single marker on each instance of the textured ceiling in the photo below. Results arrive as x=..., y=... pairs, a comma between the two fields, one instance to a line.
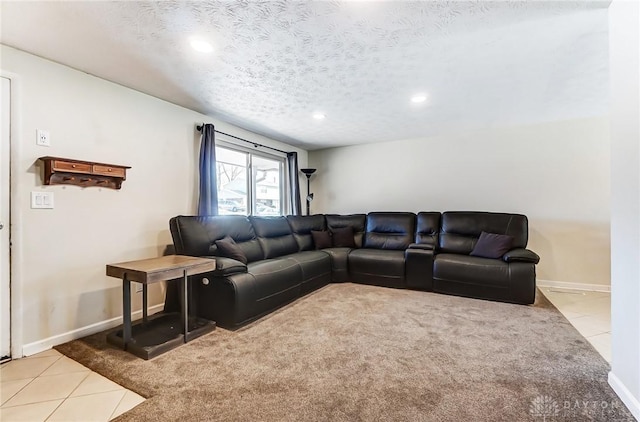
x=276, y=62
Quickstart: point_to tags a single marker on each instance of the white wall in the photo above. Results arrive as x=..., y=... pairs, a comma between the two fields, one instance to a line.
x=624, y=47
x=60, y=254
x=555, y=173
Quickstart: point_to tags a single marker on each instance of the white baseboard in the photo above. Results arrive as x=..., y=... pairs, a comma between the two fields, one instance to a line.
x=48, y=343
x=632, y=403
x=574, y=286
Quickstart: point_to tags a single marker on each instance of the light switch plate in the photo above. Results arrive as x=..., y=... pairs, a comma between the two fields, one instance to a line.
x=43, y=138
x=42, y=200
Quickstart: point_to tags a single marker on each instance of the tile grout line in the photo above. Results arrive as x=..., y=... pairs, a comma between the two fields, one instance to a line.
x=99, y=392
x=43, y=401
x=52, y=363
x=39, y=402
x=32, y=379
x=54, y=410
x=76, y=387
x=15, y=394
x=64, y=373
x=117, y=405
x=65, y=399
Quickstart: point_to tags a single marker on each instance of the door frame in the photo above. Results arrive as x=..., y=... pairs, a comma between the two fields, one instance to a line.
x=5, y=231
x=15, y=216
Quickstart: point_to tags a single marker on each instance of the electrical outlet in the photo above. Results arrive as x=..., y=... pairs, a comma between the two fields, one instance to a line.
x=43, y=138
x=42, y=200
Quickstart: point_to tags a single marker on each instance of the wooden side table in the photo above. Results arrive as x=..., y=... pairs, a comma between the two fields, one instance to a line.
x=165, y=331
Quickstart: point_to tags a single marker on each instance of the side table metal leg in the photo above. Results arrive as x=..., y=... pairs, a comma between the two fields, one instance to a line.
x=144, y=302
x=126, y=311
x=185, y=305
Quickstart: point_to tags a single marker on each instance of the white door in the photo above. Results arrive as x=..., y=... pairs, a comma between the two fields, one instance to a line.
x=5, y=286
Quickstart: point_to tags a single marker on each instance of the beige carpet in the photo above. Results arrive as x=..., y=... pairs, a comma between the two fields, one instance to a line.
x=361, y=353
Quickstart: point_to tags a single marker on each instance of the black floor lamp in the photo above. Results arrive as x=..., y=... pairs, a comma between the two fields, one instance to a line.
x=308, y=173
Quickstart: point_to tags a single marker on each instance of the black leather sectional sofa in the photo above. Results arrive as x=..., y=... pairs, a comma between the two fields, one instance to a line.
x=426, y=251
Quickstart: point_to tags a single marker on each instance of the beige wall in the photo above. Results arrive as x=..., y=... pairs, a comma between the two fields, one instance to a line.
x=63, y=251
x=555, y=173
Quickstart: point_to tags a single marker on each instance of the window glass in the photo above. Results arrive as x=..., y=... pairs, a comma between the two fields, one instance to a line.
x=233, y=195
x=267, y=176
x=249, y=184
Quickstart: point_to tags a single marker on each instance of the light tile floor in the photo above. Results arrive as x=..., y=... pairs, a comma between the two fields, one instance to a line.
x=51, y=387
x=588, y=312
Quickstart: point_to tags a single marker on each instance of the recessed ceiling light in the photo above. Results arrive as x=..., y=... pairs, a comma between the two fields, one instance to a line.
x=419, y=98
x=319, y=116
x=201, y=45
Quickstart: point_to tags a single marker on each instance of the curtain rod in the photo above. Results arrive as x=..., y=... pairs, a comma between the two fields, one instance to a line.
x=255, y=144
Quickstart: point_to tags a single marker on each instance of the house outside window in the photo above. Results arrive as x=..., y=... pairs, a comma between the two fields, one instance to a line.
x=249, y=182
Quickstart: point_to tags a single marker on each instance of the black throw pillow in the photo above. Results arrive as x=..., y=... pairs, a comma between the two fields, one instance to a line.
x=228, y=248
x=321, y=239
x=343, y=237
x=492, y=245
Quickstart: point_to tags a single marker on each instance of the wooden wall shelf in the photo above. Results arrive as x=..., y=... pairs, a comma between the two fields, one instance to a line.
x=65, y=171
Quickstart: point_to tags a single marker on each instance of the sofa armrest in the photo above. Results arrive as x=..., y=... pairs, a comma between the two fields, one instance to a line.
x=228, y=266
x=521, y=255
x=423, y=246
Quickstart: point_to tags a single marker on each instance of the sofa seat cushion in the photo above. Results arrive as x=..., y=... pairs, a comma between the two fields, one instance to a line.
x=471, y=269
x=316, y=269
x=312, y=263
x=273, y=278
x=339, y=263
x=377, y=266
x=236, y=299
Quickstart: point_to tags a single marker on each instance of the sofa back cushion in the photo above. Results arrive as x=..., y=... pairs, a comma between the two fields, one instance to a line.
x=390, y=230
x=302, y=225
x=460, y=230
x=428, y=228
x=274, y=235
x=196, y=236
x=355, y=221
x=322, y=239
x=342, y=237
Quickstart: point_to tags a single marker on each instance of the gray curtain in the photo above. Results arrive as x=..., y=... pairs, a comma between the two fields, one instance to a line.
x=208, y=200
x=294, y=183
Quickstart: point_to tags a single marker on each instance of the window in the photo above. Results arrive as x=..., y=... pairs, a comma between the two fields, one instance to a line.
x=249, y=183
